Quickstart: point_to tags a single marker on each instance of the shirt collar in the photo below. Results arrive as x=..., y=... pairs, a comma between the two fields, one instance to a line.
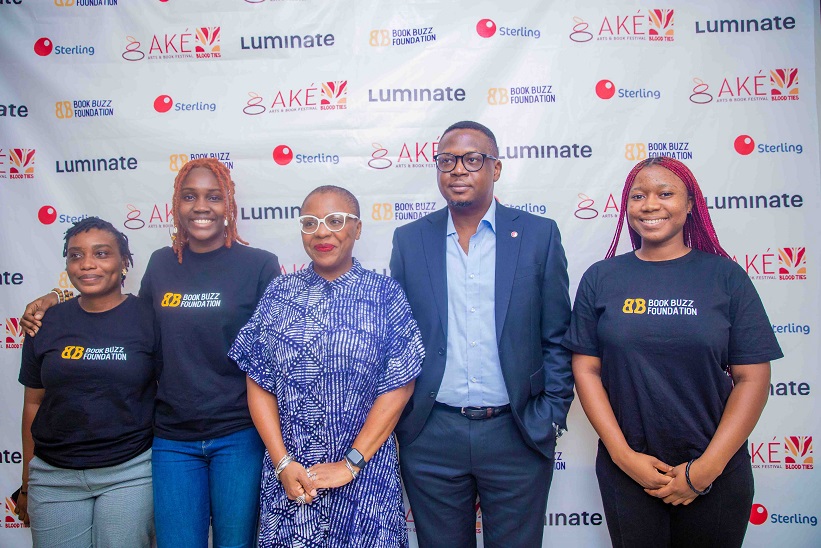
x=489, y=219
x=346, y=279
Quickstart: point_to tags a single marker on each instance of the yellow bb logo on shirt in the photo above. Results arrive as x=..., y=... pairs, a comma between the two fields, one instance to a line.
x=171, y=299
x=634, y=306
x=73, y=352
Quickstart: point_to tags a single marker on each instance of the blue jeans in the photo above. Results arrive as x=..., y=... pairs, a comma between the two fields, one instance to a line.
x=197, y=483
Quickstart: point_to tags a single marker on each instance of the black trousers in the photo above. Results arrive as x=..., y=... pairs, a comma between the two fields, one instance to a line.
x=452, y=460
x=635, y=519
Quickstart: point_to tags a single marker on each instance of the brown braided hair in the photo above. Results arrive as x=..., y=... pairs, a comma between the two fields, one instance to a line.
x=699, y=232
x=223, y=176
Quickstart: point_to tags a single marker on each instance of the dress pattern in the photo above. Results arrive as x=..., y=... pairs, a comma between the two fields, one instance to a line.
x=327, y=350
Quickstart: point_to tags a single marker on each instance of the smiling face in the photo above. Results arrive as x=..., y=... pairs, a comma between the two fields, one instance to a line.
x=94, y=264
x=202, y=211
x=331, y=252
x=466, y=191
x=657, y=209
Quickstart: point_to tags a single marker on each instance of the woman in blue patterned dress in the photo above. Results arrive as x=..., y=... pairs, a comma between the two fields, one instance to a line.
x=331, y=355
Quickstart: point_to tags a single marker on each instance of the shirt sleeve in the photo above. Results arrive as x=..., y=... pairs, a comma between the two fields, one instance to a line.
x=582, y=337
x=30, y=366
x=751, y=335
x=252, y=348
x=270, y=270
x=405, y=351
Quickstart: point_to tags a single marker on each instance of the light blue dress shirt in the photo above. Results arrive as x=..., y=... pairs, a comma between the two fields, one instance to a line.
x=473, y=373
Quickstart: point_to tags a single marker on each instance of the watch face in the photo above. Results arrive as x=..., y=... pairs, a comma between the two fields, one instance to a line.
x=355, y=457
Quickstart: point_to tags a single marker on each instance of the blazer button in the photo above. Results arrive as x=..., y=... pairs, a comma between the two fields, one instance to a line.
x=432, y=394
x=441, y=351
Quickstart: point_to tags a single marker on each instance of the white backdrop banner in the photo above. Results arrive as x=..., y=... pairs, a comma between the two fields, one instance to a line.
x=102, y=101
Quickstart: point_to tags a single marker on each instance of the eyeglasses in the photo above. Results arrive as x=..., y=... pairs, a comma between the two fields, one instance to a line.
x=333, y=222
x=473, y=161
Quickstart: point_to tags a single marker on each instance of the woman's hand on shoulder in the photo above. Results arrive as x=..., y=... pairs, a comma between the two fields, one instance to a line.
x=329, y=475
x=296, y=482
x=646, y=470
x=31, y=322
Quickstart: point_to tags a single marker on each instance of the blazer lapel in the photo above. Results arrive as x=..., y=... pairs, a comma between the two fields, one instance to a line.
x=508, y=241
x=433, y=243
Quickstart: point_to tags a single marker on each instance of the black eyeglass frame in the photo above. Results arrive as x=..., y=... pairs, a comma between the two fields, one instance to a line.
x=458, y=158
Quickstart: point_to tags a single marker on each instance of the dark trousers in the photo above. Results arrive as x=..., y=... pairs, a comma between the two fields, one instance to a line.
x=635, y=519
x=452, y=460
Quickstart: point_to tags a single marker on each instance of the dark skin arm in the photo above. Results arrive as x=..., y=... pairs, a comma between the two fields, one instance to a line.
x=379, y=424
x=646, y=470
x=744, y=406
x=35, y=310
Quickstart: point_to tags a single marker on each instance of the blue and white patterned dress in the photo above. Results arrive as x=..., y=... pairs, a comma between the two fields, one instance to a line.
x=327, y=350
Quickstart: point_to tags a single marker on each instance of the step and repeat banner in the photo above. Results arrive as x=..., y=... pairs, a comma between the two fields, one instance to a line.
x=102, y=101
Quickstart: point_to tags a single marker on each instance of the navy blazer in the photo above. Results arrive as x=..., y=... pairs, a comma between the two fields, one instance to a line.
x=532, y=315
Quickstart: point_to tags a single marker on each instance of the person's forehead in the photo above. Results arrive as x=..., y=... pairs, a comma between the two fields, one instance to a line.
x=465, y=137
x=326, y=202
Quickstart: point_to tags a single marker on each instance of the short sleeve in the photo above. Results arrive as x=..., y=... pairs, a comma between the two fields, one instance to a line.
x=146, y=291
x=251, y=350
x=582, y=337
x=270, y=270
x=30, y=366
x=405, y=351
x=751, y=335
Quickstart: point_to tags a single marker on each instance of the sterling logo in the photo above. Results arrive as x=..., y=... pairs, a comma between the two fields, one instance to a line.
x=759, y=515
x=164, y=103
x=283, y=155
x=605, y=89
x=486, y=28
x=48, y=215
x=203, y=43
x=745, y=145
x=44, y=47
x=656, y=25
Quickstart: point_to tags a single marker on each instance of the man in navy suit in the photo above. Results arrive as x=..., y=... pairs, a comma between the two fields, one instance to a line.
x=489, y=289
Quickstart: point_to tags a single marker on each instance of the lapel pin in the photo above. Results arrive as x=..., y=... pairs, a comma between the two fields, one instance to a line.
x=514, y=234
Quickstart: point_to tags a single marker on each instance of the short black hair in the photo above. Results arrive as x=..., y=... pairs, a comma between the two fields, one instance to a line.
x=467, y=124
x=346, y=194
x=84, y=225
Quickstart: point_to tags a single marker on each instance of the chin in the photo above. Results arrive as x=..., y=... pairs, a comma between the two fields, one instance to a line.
x=462, y=203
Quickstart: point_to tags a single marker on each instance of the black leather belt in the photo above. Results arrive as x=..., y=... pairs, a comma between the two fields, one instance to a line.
x=474, y=413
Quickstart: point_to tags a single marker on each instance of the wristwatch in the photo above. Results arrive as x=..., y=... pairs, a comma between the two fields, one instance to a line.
x=355, y=458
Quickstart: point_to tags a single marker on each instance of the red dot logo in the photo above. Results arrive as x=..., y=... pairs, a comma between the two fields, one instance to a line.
x=163, y=103
x=744, y=144
x=486, y=28
x=605, y=89
x=47, y=215
x=283, y=155
x=758, y=514
x=43, y=47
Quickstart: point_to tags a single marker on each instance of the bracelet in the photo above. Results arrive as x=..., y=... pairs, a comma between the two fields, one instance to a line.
x=349, y=466
x=63, y=295
x=283, y=462
x=690, y=483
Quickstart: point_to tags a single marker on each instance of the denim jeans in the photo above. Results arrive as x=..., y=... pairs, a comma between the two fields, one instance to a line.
x=216, y=482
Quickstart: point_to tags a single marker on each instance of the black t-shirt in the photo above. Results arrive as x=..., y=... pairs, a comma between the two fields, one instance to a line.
x=666, y=333
x=201, y=305
x=99, y=371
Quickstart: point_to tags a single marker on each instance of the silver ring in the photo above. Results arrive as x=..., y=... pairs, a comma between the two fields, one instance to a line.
x=301, y=499
x=311, y=474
